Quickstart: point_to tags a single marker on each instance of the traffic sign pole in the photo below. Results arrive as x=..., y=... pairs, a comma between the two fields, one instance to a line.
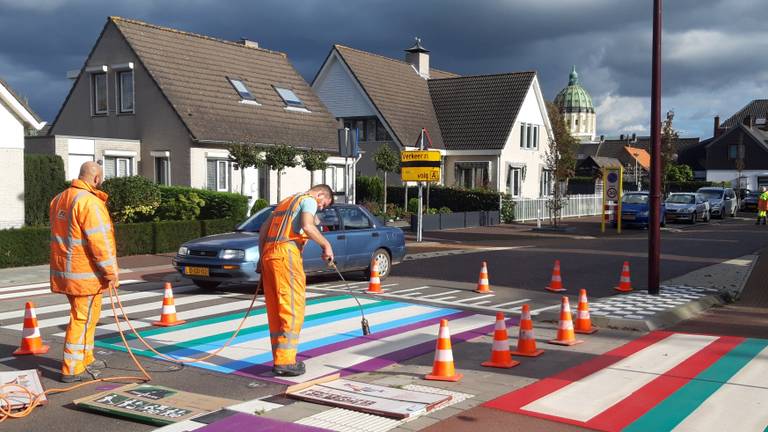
x=420, y=215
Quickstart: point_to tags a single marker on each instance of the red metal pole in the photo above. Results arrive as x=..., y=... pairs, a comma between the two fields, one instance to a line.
x=654, y=231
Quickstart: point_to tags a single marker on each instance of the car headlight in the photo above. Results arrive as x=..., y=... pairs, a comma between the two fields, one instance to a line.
x=183, y=250
x=232, y=254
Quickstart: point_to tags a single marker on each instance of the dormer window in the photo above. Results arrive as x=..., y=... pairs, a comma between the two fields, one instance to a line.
x=245, y=95
x=291, y=100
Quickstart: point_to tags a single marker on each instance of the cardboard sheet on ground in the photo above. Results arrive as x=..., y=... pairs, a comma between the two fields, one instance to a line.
x=368, y=398
x=152, y=404
x=29, y=379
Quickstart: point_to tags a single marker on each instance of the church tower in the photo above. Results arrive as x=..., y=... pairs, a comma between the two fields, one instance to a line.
x=575, y=105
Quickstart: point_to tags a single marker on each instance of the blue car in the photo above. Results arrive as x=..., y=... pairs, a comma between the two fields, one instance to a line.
x=635, y=209
x=356, y=235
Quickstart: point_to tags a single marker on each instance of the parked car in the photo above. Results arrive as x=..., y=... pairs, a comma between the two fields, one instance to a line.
x=356, y=235
x=749, y=202
x=722, y=201
x=635, y=207
x=687, y=206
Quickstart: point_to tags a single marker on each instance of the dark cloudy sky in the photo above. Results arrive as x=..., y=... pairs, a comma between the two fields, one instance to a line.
x=714, y=50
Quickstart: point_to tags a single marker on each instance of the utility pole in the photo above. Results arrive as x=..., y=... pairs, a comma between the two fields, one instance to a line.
x=654, y=230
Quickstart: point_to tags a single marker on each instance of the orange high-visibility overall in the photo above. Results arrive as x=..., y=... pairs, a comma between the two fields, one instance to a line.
x=83, y=253
x=283, y=280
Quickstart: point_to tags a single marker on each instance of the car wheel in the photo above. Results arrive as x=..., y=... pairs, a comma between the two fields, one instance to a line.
x=693, y=218
x=384, y=261
x=209, y=285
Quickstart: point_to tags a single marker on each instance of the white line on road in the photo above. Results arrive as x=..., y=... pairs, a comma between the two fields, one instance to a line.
x=511, y=303
x=409, y=289
x=479, y=303
x=536, y=311
x=443, y=298
x=34, y=292
x=441, y=293
x=475, y=298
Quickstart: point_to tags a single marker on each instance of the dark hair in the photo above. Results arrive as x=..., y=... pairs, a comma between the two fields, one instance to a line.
x=324, y=188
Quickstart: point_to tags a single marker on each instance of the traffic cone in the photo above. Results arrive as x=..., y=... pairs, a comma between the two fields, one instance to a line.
x=374, y=285
x=526, y=342
x=168, y=315
x=500, y=355
x=625, y=283
x=31, y=342
x=583, y=321
x=482, y=282
x=442, y=368
x=556, y=284
x=565, y=334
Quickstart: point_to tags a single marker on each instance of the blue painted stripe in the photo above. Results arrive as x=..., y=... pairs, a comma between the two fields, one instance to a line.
x=669, y=413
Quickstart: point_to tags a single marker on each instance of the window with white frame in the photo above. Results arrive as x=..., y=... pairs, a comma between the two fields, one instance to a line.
x=217, y=175
x=529, y=136
x=545, y=183
x=515, y=180
x=117, y=167
x=99, y=93
x=125, y=83
x=333, y=176
x=472, y=175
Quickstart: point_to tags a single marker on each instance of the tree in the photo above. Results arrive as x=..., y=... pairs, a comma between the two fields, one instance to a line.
x=386, y=161
x=244, y=156
x=279, y=158
x=314, y=160
x=669, y=137
x=560, y=161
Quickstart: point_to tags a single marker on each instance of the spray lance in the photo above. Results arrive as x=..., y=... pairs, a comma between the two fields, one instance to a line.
x=363, y=322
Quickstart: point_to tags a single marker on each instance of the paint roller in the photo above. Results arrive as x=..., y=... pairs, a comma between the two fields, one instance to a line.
x=363, y=322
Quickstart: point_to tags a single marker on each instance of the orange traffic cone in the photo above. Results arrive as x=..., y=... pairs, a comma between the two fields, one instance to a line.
x=526, y=342
x=583, y=321
x=442, y=369
x=168, y=315
x=482, y=281
x=31, y=342
x=625, y=283
x=565, y=334
x=374, y=285
x=500, y=356
x=556, y=284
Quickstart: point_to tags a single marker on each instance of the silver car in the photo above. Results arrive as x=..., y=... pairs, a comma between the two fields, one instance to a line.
x=689, y=207
x=722, y=201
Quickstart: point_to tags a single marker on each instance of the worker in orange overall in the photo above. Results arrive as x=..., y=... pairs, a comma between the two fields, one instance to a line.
x=281, y=240
x=83, y=264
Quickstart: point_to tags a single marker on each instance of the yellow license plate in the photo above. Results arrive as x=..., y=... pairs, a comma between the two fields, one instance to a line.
x=196, y=271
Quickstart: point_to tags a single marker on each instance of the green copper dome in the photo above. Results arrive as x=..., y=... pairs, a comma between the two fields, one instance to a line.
x=574, y=99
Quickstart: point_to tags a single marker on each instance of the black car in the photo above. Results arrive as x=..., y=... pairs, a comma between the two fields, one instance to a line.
x=749, y=202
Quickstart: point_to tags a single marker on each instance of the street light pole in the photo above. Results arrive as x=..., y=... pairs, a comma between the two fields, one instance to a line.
x=654, y=230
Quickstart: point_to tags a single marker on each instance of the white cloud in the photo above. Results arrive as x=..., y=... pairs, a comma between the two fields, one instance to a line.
x=32, y=5
x=621, y=114
x=705, y=47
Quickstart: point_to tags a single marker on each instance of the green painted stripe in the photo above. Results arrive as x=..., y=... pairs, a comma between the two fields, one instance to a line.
x=208, y=321
x=670, y=412
x=194, y=343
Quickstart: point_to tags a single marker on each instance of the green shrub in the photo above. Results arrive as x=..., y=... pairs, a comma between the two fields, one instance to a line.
x=258, y=205
x=43, y=179
x=458, y=200
x=131, y=199
x=218, y=226
x=369, y=189
x=169, y=235
x=444, y=210
x=218, y=205
x=373, y=207
x=25, y=246
x=413, y=205
x=431, y=211
x=507, y=210
x=134, y=238
x=181, y=207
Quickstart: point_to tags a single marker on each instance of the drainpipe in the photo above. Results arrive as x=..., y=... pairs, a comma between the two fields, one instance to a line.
x=498, y=179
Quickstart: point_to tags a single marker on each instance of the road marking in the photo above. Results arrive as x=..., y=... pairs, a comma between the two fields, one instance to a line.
x=440, y=293
x=443, y=298
x=511, y=303
x=22, y=294
x=480, y=303
x=412, y=294
x=475, y=298
x=409, y=289
x=536, y=311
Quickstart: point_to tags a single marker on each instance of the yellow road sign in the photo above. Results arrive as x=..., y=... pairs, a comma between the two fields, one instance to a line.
x=420, y=165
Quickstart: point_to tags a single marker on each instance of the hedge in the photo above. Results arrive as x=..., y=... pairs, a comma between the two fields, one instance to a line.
x=43, y=179
x=218, y=205
x=31, y=246
x=455, y=199
x=369, y=189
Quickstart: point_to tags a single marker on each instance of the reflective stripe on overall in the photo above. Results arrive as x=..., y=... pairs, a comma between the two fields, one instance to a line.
x=283, y=280
x=78, y=344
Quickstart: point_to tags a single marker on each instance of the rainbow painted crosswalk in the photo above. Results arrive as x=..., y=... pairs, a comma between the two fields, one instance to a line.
x=661, y=382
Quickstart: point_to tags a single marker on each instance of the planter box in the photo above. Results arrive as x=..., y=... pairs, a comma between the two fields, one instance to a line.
x=472, y=219
x=491, y=217
x=457, y=220
x=452, y=220
x=431, y=222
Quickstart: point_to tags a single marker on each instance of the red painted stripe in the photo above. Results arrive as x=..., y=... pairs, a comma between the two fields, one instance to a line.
x=638, y=403
x=515, y=400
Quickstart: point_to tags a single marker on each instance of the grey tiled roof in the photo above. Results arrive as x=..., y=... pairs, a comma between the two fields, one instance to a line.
x=478, y=112
x=192, y=72
x=758, y=108
x=398, y=92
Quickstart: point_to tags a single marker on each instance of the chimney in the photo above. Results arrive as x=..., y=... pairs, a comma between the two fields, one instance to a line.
x=418, y=57
x=621, y=137
x=716, y=127
x=248, y=43
x=747, y=121
x=634, y=137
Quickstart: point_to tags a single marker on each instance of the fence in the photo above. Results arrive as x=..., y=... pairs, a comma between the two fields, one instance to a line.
x=575, y=206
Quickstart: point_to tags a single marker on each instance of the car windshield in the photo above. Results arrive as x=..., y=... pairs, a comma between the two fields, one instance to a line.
x=681, y=199
x=253, y=223
x=635, y=199
x=712, y=193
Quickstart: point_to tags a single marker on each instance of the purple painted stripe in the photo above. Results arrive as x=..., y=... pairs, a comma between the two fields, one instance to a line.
x=247, y=422
x=264, y=371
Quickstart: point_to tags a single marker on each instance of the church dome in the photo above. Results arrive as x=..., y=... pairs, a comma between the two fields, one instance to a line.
x=574, y=98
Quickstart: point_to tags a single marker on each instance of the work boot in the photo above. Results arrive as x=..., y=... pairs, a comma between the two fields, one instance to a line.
x=290, y=370
x=85, y=376
x=97, y=364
